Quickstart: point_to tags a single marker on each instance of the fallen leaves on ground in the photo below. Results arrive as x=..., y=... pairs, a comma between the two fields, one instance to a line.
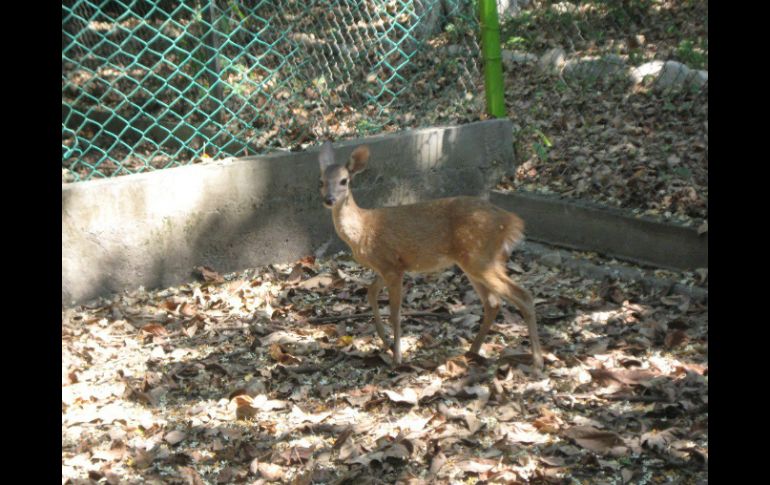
x=258, y=392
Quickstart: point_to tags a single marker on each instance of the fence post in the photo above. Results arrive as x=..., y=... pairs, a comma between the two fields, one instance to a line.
x=493, y=67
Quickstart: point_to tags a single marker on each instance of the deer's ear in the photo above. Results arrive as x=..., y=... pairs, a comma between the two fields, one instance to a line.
x=358, y=159
x=326, y=157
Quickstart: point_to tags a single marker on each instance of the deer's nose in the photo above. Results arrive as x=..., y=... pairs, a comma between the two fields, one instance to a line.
x=329, y=200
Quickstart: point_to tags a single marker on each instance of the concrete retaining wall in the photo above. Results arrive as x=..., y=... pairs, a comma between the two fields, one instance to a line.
x=584, y=226
x=152, y=229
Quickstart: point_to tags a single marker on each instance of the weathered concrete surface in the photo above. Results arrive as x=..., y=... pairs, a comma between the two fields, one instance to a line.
x=616, y=270
x=583, y=226
x=152, y=229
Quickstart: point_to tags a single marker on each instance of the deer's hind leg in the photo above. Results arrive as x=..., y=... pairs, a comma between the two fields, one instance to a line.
x=491, y=304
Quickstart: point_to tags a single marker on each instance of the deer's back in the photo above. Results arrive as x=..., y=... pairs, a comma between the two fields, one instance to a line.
x=432, y=235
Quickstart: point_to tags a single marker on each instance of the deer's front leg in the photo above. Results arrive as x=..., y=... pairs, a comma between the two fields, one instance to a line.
x=395, y=285
x=372, y=295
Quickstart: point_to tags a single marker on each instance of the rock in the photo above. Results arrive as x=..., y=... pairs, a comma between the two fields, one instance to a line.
x=564, y=7
x=551, y=259
x=673, y=75
x=511, y=8
x=552, y=61
x=700, y=78
x=511, y=58
x=637, y=74
x=669, y=75
x=673, y=161
x=595, y=68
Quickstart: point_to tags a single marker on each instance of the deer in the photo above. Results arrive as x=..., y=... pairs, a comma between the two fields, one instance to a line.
x=426, y=237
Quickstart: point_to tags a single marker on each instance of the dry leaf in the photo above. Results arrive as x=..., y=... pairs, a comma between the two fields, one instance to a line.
x=476, y=466
x=278, y=355
x=453, y=368
x=605, y=376
x=244, y=409
x=155, y=329
x=299, y=416
x=626, y=474
x=472, y=422
x=308, y=261
x=658, y=440
x=144, y=458
x=349, y=451
x=430, y=390
x=703, y=274
x=408, y=395
x=682, y=302
x=263, y=403
x=174, y=437
x=296, y=274
x=187, y=310
x=548, y=422
x=342, y=438
x=522, y=433
x=483, y=396
x=316, y=282
x=507, y=412
x=296, y=455
x=303, y=478
x=553, y=460
x=438, y=461
x=116, y=452
x=191, y=476
x=675, y=339
x=594, y=439
x=231, y=474
x=209, y=275
x=397, y=450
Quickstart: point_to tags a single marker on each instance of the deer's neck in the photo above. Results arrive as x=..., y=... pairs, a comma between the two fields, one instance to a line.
x=349, y=221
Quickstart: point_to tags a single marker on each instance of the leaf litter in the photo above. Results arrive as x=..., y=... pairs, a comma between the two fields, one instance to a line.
x=286, y=382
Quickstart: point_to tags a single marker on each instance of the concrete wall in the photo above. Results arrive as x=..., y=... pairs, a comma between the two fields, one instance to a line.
x=152, y=229
x=585, y=226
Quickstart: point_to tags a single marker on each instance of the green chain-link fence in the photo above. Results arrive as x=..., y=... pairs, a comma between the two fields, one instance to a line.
x=149, y=85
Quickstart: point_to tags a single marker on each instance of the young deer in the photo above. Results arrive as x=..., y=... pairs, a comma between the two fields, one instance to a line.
x=425, y=237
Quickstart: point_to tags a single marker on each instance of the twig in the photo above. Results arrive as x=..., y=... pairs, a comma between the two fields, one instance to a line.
x=359, y=316
x=631, y=398
x=311, y=368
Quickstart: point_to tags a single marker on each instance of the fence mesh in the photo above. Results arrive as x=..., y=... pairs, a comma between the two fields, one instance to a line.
x=156, y=85
x=150, y=85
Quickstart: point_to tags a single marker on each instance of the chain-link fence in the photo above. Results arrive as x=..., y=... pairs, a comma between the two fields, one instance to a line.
x=153, y=85
x=148, y=85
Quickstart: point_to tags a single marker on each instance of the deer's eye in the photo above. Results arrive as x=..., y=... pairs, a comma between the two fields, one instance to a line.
x=344, y=182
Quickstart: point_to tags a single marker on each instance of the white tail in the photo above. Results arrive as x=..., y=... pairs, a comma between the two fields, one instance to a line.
x=425, y=237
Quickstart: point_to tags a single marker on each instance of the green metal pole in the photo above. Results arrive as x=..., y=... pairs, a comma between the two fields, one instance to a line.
x=493, y=66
